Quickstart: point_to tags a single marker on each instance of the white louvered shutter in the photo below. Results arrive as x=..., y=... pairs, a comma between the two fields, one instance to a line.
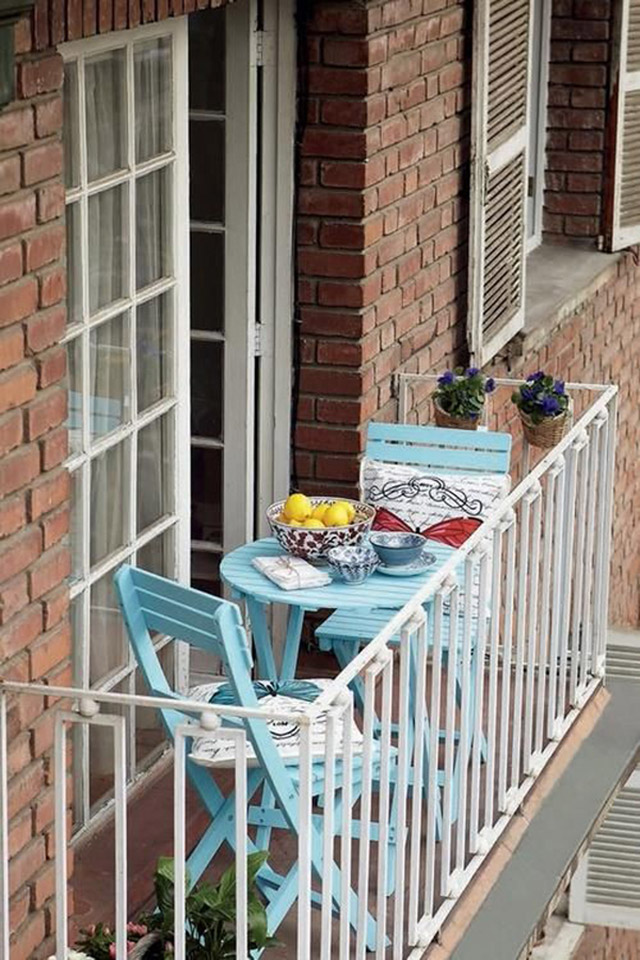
x=499, y=174
x=606, y=888
x=626, y=192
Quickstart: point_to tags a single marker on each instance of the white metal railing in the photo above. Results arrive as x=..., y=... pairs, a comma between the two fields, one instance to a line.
x=460, y=701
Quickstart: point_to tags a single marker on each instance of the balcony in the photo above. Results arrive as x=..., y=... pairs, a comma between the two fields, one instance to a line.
x=446, y=720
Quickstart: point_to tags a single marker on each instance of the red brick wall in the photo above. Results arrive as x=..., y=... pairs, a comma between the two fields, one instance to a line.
x=608, y=943
x=382, y=224
x=578, y=77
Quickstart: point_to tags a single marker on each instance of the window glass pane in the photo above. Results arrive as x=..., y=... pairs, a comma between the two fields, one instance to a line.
x=206, y=494
x=153, y=227
x=71, y=126
x=110, y=472
x=153, y=121
x=158, y=555
x=154, y=350
x=75, y=526
x=207, y=60
x=206, y=388
x=155, y=494
x=207, y=280
x=74, y=262
x=149, y=730
x=78, y=635
x=109, y=386
x=206, y=169
x=205, y=571
x=106, y=115
x=108, y=247
x=101, y=756
x=74, y=413
x=109, y=647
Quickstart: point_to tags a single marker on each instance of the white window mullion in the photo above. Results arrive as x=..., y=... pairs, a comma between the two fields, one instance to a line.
x=624, y=218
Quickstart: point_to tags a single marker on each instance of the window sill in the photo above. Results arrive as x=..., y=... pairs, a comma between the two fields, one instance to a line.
x=560, y=279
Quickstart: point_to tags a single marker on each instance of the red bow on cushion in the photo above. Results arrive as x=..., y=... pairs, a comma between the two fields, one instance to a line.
x=452, y=532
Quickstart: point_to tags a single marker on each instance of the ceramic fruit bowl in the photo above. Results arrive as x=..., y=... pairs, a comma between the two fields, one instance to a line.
x=313, y=543
x=397, y=549
x=353, y=564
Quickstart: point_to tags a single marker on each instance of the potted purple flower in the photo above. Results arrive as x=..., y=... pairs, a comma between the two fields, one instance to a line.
x=544, y=407
x=458, y=400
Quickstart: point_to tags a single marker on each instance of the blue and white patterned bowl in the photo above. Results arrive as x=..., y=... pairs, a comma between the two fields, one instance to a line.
x=353, y=564
x=395, y=549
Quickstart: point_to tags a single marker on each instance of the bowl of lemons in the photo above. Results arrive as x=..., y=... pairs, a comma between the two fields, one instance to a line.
x=309, y=526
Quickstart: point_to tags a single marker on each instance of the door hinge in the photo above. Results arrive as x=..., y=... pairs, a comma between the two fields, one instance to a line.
x=257, y=340
x=264, y=48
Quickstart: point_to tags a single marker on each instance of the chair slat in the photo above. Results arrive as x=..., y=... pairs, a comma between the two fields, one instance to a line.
x=462, y=451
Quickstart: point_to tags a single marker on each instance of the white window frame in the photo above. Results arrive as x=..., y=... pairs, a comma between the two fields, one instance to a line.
x=538, y=122
x=625, y=82
x=178, y=401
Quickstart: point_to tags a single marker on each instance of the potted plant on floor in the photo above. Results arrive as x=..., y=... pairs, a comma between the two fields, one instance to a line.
x=458, y=400
x=544, y=407
x=210, y=913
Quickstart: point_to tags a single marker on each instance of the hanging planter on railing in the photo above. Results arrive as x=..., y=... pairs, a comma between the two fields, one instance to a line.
x=458, y=400
x=545, y=409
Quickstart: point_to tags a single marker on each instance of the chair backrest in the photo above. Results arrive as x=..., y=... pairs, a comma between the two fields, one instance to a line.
x=437, y=448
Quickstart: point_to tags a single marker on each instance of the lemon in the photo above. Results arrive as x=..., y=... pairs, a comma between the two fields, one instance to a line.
x=313, y=523
x=294, y=523
x=281, y=518
x=349, y=507
x=319, y=511
x=297, y=507
x=336, y=516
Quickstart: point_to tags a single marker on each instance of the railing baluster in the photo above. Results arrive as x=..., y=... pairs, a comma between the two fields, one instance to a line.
x=607, y=531
x=401, y=792
x=364, y=847
x=476, y=743
x=305, y=840
x=344, y=936
x=385, y=658
x=567, y=579
x=557, y=599
x=450, y=741
x=545, y=612
x=328, y=831
x=505, y=706
x=587, y=596
x=242, y=873
x=532, y=625
x=179, y=842
x=601, y=553
x=521, y=621
x=582, y=520
x=433, y=789
x=494, y=641
x=465, y=716
x=417, y=796
x=5, y=922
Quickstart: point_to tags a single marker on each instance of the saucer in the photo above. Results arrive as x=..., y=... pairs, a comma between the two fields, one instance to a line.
x=421, y=565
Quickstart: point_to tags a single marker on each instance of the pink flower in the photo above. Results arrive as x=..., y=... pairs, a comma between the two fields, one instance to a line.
x=137, y=929
x=130, y=945
x=112, y=951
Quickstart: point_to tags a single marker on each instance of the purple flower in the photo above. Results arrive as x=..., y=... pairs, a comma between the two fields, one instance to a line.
x=473, y=372
x=550, y=406
x=446, y=378
x=558, y=387
x=527, y=393
x=490, y=385
x=534, y=377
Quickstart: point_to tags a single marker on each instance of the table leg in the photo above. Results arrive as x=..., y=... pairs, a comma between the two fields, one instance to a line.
x=295, y=620
x=262, y=639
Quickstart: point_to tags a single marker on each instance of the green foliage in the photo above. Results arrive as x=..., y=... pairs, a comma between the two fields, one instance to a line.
x=210, y=918
x=461, y=392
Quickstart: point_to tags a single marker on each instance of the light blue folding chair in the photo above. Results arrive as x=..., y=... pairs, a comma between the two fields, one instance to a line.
x=441, y=451
x=153, y=603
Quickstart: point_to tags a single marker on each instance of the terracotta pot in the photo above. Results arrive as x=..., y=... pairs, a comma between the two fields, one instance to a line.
x=444, y=419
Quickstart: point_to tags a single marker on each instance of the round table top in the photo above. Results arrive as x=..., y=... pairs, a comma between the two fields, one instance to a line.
x=377, y=591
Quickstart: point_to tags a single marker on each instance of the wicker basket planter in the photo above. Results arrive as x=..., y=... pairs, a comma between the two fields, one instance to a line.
x=549, y=431
x=444, y=419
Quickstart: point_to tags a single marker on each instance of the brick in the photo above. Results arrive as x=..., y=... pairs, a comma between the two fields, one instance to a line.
x=11, y=347
x=50, y=651
x=53, y=287
x=13, y=514
x=328, y=264
x=22, y=36
x=11, y=432
x=50, y=202
x=16, y=128
x=10, y=175
x=48, y=117
x=17, y=216
x=44, y=247
x=311, y=437
x=10, y=263
x=40, y=75
x=28, y=937
x=17, y=386
x=49, y=572
x=18, y=635
x=48, y=410
x=46, y=328
x=55, y=606
x=17, y=553
x=18, y=469
x=54, y=447
x=13, y=596
x=45, y=497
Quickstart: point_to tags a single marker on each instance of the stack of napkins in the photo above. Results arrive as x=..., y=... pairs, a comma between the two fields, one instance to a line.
x=291, y=573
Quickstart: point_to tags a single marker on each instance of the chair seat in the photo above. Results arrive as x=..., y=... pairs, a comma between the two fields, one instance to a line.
x=286, y=697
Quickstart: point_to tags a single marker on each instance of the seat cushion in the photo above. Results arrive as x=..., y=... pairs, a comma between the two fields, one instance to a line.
x=447, y=507
x=286, y=697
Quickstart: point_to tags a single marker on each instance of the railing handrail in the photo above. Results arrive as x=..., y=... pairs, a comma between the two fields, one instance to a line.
x=447, y=570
